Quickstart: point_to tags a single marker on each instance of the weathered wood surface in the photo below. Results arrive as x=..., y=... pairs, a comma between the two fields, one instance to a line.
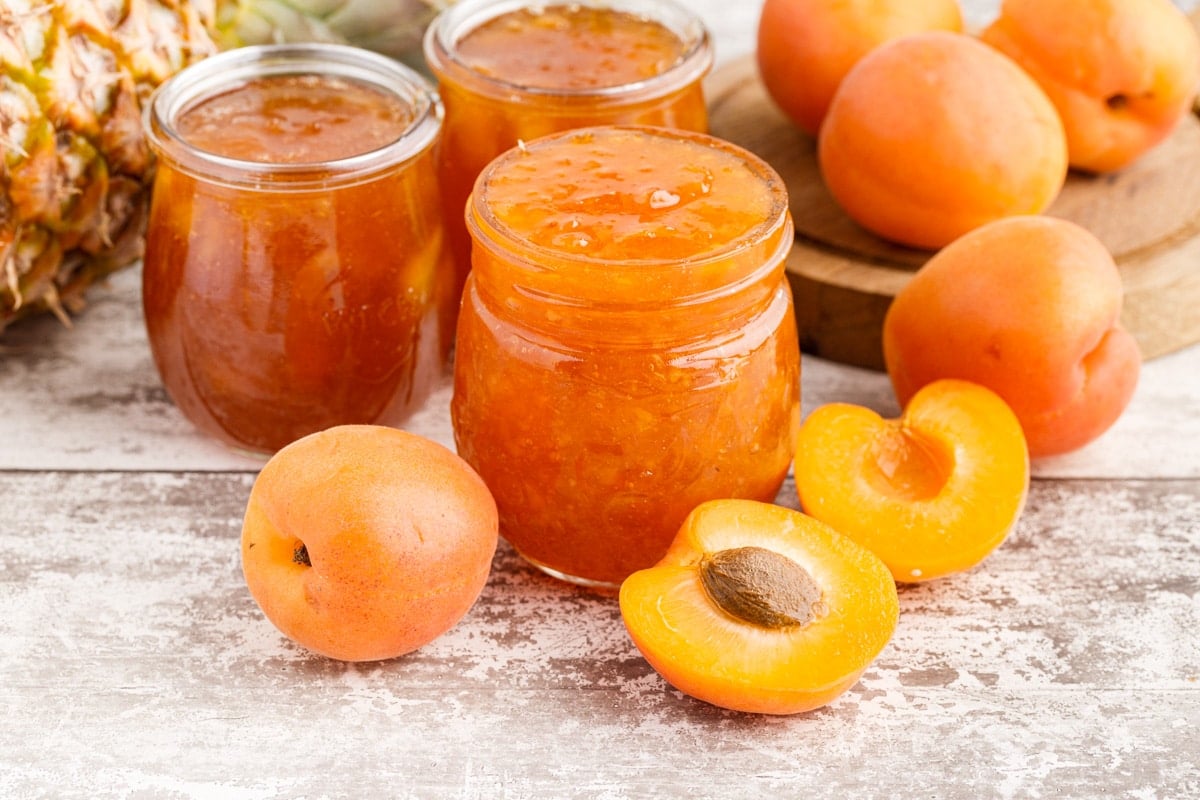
x=133, y=663
x=134, y=660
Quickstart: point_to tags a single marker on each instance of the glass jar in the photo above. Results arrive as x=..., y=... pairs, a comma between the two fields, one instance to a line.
x=510, y=71
x=295, y=274
x=626, y=345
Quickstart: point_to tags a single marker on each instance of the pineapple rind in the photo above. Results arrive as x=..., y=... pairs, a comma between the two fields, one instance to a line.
x=75, y=168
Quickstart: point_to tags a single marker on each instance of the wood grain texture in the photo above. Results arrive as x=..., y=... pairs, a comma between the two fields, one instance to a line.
x=135, y=662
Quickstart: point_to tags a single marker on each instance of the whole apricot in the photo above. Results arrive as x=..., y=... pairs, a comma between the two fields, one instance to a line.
x=934, y=134
x=806, y=47
x=1030, y=308
x=931, y=493
x=362, y=542
x=760, y=608
x=1122, y=73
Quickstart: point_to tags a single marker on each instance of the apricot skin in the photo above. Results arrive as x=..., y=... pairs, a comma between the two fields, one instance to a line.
x=1030, y=308
x=934, y=134
x=714, y=657
x=931, y=493
x=398, y=531
x=1122, y=73
x=806, y=47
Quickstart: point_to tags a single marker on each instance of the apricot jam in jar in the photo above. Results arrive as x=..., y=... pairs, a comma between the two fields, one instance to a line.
x=510, y=71
x=626, y=346
x=295, y=274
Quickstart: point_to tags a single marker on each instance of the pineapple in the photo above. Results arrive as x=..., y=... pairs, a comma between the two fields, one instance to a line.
x=74, y=75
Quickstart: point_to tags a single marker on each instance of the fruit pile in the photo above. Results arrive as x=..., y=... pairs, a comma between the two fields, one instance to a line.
x=914, y=147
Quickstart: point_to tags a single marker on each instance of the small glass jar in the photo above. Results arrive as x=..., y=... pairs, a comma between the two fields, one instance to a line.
x=513, y=70
x=626, y=346
x=295, y=274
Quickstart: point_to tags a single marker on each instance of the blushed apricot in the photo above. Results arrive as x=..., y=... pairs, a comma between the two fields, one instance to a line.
x=759, y=608
x=806, y=47
x=934, y=134
x=362, y=542
x=1122, y=73
x=1030, y=308
x=930, y=493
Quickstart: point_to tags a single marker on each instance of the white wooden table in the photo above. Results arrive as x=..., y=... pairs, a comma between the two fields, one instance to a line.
x=133, y=662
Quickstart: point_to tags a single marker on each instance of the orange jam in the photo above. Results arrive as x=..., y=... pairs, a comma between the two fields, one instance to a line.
x=294, y=274
x=508, y=72
x=570, y=47
x=295, y=119
x=626, y=347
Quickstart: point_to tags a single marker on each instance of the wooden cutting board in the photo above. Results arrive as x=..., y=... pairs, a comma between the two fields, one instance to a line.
x=844, y=278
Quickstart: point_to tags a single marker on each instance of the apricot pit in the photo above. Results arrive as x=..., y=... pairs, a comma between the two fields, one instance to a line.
x=759, y=586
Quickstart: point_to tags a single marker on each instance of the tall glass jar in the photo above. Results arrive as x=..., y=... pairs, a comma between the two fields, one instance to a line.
x=626, y=345
x=511, y=70
x=295, y=272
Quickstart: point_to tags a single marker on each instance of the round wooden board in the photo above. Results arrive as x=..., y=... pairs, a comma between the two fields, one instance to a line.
x=844, y=278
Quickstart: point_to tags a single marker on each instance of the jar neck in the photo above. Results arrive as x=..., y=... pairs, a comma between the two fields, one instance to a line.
x=226, y=71
x=630, y=301
x=446, y=63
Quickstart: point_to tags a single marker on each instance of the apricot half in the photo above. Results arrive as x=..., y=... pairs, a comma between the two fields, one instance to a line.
x=1122, y=73
x=363, y=542
x=931, y=493
x=759, y=608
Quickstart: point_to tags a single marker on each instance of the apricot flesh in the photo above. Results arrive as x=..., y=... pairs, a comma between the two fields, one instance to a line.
x=931, y=493
x=768, y=667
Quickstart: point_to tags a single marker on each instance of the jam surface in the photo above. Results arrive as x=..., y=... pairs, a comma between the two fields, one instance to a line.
x=296, y=119
x=570, y=47
x=615, y=195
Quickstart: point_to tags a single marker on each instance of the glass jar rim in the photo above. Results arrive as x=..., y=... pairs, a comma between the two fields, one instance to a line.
x=220, y=73
x=771, y=239
x=453, y=23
